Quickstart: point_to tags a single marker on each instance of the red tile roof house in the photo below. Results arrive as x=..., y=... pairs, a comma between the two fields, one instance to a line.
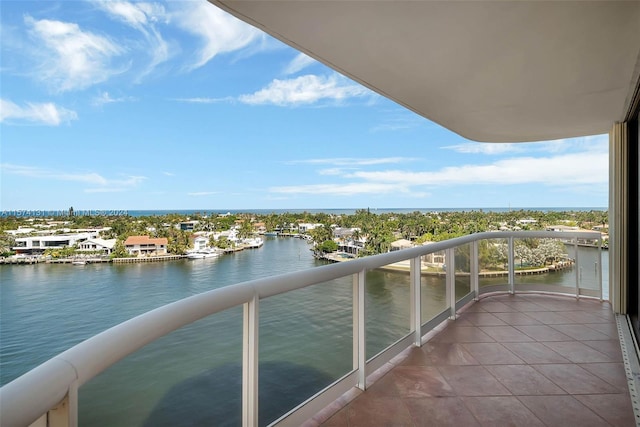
x=145, y=246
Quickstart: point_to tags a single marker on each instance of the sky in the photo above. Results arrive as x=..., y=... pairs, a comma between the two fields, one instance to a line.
x=113, y=105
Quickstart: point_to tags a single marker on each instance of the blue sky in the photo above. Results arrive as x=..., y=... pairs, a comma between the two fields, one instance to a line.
x=178, y=105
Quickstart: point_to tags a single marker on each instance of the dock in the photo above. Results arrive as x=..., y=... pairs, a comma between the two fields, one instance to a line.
x=158, y=258
x=76, y=260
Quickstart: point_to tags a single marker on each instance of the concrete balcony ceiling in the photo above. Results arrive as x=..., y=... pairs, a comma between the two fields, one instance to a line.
x=489, y=71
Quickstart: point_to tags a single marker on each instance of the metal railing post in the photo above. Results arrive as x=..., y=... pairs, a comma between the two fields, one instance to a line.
x=599, y=267
x=59, y=416
x=250, y=358
x=512, y=269
x=416, y=300
x=73, y=404
x=577, y=267
x=450, y=280
x=475, y=270
x=360, y=329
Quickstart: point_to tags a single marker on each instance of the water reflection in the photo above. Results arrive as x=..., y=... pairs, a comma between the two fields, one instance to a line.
x=204, y=400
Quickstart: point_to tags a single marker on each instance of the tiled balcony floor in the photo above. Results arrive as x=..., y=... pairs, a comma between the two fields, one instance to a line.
x=523, y=360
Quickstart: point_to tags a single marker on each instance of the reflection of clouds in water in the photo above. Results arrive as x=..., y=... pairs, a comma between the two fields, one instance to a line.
x=214, y=397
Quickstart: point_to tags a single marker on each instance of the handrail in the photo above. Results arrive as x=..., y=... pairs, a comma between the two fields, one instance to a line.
x=28, y=397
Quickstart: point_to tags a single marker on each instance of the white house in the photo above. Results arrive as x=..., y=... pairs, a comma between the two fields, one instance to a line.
x=401, y=244
x=98, y=244
x=434, y=259
x=200, y=242
x=303, y=227
x=562, y=228
x=38, y=244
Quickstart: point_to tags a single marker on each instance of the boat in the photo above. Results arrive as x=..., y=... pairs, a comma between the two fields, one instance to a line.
x=254, y=242
x=271, y=233
x=78, y=262
x=202, y=253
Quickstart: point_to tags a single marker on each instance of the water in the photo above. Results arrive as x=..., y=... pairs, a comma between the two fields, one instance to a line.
x=137, y=213
x=192, y=376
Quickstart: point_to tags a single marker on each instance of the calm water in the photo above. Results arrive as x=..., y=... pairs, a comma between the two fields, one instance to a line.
x=193, y=376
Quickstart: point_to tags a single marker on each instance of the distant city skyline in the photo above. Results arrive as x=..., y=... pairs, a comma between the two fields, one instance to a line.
x=178, y=105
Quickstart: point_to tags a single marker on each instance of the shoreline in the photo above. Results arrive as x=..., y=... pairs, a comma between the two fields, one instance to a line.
x=82, y=260
x=404, y=267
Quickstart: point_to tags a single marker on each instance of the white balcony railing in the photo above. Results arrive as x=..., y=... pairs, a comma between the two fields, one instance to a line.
x=48, y=394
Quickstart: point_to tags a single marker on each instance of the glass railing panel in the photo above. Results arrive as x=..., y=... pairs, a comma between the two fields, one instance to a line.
x=192, y=376
x=463, y=270
x=493, y=264
x=590, y=261
x=432, y=285
x=306, y=343
x=544, y=264
x=387, y=301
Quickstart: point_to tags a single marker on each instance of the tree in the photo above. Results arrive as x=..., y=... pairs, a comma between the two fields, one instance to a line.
x=119, y=250
x=379, y=240
x=320, y=234
x=328, y=246
x=222, y=242
x=246, y=230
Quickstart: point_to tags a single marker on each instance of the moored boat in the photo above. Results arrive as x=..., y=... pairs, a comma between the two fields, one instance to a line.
x=202, y=253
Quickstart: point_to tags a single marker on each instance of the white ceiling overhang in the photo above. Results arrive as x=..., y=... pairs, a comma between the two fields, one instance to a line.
x=496, y=71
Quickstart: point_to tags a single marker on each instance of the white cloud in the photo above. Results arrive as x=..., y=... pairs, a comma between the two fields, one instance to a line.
x=138, y=15
x=71, y=58
x=143, y=17
x=219, y=31
x=484, y=148
x=306, y=89
x=202, y=193
x=354, y=161
x=105, y=190
x=205, y=100
x=331, y=171
x=572, y=172
x=347, y=189
x=300, y=62
x=88, y=178
x=399, y=121
x=169, y=173
x=42, y=113
x=106, y=98
x=567, y=169
x=590, y=143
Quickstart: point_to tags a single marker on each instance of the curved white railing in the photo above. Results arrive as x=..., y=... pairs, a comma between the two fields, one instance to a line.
x=49, y=391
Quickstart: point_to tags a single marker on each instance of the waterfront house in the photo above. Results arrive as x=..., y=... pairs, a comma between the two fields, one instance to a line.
x=434, y=259
x=200, y=242
x=400, y=244
x=304, y=227
x=259, y=227
x=146, y=246
x=34, y=245
x=561, y=227
x=97, y=244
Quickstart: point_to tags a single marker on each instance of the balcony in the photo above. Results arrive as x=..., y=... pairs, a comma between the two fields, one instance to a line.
x=525, y=347
x=524, y=359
